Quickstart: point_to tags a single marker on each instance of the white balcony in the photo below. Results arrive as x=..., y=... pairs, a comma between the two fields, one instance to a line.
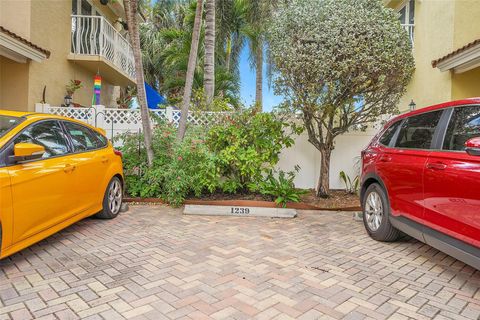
x=98, y=46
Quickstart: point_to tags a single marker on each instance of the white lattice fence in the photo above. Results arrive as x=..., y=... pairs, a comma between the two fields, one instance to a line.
x=84, y=114
x=203, y=118
x=117, y=121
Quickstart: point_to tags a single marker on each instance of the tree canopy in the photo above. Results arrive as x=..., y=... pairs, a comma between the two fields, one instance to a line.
x=341, y=64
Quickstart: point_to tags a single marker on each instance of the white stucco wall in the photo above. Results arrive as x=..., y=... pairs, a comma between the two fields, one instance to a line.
x=304, y=154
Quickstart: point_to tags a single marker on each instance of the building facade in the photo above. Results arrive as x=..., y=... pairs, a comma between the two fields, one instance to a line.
x=45, y=44
x=446, y=47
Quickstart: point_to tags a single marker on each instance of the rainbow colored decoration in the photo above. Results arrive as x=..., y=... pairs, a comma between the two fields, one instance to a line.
x=97, y=88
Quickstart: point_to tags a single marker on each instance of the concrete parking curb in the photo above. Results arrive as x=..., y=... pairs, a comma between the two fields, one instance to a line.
x=210, y=210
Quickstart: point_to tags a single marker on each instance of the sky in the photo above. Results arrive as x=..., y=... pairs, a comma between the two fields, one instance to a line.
x=247, y=81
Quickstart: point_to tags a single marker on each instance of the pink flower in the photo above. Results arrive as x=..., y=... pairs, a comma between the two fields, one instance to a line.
x=180, y=158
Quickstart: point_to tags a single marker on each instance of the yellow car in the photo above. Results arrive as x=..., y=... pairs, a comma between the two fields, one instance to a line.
x=54, y=171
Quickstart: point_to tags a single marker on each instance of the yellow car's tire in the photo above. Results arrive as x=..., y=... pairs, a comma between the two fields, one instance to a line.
x=112, y=200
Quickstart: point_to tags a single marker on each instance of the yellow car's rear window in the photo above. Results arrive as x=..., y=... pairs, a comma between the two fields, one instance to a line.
x=7, y=123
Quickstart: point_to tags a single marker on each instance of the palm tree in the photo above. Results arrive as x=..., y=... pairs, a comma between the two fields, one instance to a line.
x=166, y=40
x=163, y=15
x=256, y=44
x=259, y=13
x=192, y=61
x=209, y=69
x=232, y=19
x=131, y=12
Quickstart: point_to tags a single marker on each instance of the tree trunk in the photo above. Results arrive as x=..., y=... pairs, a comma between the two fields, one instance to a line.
x=228, y=54
x=323, y=188
x=131, y=7
x=192, y=62
x=209, y=75
x=259, y=77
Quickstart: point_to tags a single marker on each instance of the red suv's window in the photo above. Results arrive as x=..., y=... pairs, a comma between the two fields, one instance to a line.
x=464, y=125
x=417, y=131
x=387, y=136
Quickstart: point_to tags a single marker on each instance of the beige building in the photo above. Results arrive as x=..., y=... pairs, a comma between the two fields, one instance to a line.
x=446, y=39
x=44, y=44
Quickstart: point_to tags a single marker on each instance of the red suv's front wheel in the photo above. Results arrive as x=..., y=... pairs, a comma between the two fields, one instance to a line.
x=376, y=213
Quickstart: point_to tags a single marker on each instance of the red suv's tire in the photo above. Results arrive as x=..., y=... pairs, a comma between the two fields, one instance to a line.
x=376, y=213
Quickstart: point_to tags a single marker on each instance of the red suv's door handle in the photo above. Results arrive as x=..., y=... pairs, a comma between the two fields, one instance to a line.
x=386, y=159
x=436, y=166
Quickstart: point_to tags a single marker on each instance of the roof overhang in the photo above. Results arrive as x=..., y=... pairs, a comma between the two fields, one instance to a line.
x=19, y=49
x=118, y=8
x=461, y=60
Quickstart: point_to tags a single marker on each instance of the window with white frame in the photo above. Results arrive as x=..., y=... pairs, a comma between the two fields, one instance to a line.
x=407, y=17
x=83, y=7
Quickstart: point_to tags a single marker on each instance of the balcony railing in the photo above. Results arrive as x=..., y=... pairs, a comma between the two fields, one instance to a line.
x=410, y=30
x=94, y=35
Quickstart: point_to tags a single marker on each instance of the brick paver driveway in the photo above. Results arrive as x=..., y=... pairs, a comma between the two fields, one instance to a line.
x=154, y=263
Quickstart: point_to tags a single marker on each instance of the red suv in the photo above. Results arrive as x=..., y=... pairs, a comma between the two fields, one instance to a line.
x=421, y=176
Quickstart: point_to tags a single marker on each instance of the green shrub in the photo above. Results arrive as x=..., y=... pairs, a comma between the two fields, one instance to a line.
x=247, y=146
x=281, y=188
x=351, y=186
x=178, y=169
x=235, y=155
x=191, y=171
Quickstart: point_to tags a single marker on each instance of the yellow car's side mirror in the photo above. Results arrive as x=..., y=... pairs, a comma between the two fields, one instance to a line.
x=27, y=151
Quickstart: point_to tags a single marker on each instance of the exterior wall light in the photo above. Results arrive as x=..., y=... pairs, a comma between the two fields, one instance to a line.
x=68, y=100
x=412, y=105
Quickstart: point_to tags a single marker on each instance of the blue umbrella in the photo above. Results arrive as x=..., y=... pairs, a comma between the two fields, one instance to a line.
x=153, y=97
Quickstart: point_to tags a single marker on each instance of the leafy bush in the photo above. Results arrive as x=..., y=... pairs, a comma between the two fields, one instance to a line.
x=282, y=189
x=351, y=186
x=238, y=154
x=200, y=104
x=192, y=170
x=178, y=169
x=247, y=146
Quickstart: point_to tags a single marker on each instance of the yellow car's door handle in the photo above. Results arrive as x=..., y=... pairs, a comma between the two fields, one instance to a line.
x=68, y=168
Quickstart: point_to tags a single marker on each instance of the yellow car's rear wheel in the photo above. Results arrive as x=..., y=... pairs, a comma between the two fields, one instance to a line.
x=112, y=200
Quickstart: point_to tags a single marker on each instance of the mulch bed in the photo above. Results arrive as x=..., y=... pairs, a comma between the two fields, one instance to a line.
x=338, y=201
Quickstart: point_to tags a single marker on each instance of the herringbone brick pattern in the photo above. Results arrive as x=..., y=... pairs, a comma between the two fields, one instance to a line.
x=154, y=263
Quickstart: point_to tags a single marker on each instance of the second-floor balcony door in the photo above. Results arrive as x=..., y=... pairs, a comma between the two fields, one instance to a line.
x=87, y=41
x=95, y=38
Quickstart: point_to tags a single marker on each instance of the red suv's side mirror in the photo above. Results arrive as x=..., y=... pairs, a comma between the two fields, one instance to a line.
x=472, y=146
